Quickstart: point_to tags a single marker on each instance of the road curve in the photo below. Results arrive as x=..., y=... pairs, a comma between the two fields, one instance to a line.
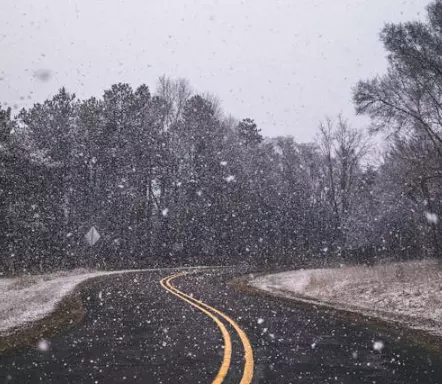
x=248, y=351
x=134, y=331
x=222, y=373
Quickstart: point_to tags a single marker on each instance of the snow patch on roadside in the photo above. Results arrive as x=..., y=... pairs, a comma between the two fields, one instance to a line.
x=410, y=293
x=30, y=298
x=26, y=299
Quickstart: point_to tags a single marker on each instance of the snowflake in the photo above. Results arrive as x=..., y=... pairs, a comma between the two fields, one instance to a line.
x=431, y=217
x=230, y=178
x=43, y=345
x=378, y=345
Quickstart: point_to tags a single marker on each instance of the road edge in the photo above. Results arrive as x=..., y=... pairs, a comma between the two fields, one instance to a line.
x=68, y=313
x=403, y=334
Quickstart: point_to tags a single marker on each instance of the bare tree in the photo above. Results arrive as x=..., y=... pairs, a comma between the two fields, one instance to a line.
x=175, y=94
x=408, y=98
x=343, y=150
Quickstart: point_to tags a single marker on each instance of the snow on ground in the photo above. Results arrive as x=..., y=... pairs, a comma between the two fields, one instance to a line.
x=410, y=293
x=30, y=298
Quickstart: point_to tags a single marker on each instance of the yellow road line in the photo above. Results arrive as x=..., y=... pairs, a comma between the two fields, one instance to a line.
x=248, y=351
x=222, y=372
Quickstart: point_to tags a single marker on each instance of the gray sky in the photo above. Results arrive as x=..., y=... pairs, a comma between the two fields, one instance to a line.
x=285, y=63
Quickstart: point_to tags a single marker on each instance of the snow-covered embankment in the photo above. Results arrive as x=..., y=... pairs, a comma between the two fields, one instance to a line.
x=409, y=293
x=24, y=300
x=27, y=299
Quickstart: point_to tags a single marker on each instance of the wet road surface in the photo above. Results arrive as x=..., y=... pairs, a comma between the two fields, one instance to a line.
x=136, y=331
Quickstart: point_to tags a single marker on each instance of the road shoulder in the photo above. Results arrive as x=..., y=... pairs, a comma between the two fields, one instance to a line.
x=67, y=313
x=401, y=333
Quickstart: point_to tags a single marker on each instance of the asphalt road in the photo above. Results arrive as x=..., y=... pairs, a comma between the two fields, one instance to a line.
x=137, y=331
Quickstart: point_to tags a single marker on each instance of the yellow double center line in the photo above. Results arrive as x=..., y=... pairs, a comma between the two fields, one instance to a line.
x=209, y=311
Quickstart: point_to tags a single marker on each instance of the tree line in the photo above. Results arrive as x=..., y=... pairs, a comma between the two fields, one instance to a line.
x=167, y=178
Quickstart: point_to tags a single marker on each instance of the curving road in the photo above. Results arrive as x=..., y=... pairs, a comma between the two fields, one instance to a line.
x=158, y=327
x=215, y=315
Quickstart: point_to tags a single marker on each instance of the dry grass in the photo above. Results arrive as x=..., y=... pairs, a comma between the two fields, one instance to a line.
x=403, y=272
x=414, y=273
x=409, y=293
x=400, y=333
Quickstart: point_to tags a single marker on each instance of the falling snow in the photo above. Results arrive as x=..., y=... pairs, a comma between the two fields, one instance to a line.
x=43, y=345
x=162, y=176
x=431, y=217
x=378, y=346
x=230, y=178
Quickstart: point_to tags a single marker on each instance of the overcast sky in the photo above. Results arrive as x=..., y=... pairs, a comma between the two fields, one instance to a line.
x=284, y=63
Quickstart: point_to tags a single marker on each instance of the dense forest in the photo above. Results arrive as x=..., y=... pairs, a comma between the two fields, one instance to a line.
x=168, y=178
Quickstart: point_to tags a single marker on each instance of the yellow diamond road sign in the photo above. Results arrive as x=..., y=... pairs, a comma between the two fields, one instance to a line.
x=92, y=236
